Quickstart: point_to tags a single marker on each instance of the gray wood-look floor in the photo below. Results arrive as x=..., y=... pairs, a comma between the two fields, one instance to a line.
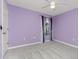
x=50, y=50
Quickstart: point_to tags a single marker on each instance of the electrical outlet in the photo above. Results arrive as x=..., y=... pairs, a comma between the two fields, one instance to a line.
x=24, y=38
x=73, y=39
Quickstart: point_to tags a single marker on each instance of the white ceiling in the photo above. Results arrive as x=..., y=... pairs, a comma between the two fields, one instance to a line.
x=36, y=5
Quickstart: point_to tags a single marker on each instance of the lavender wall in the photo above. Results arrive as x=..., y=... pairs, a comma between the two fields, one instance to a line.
x=23, y=23
x=65, y=27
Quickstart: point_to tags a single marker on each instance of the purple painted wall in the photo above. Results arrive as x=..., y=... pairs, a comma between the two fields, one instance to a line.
x=66, y=27
x=23, y=23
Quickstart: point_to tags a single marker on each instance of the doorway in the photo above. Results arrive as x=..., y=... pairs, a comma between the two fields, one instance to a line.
x=47, y=28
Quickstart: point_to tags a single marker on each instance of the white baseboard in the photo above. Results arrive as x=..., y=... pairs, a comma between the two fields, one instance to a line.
x=24, y=45
x=66, y=43
x=41, y=42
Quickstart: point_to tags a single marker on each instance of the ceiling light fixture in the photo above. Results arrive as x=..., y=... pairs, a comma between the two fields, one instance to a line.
x=52, y=4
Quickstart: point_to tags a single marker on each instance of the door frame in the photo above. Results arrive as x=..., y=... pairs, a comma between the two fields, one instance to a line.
x=43, y=28
x=5, y=28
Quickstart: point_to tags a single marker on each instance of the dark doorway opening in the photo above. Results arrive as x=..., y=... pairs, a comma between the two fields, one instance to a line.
x=47, y=28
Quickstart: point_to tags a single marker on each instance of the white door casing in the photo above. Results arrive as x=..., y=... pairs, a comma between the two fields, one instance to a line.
x=0, y=29
x=5, y=27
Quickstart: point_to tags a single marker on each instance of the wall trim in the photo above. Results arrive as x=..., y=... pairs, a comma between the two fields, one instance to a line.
x=66, y=43
x=24, y=45
x=41, y=42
